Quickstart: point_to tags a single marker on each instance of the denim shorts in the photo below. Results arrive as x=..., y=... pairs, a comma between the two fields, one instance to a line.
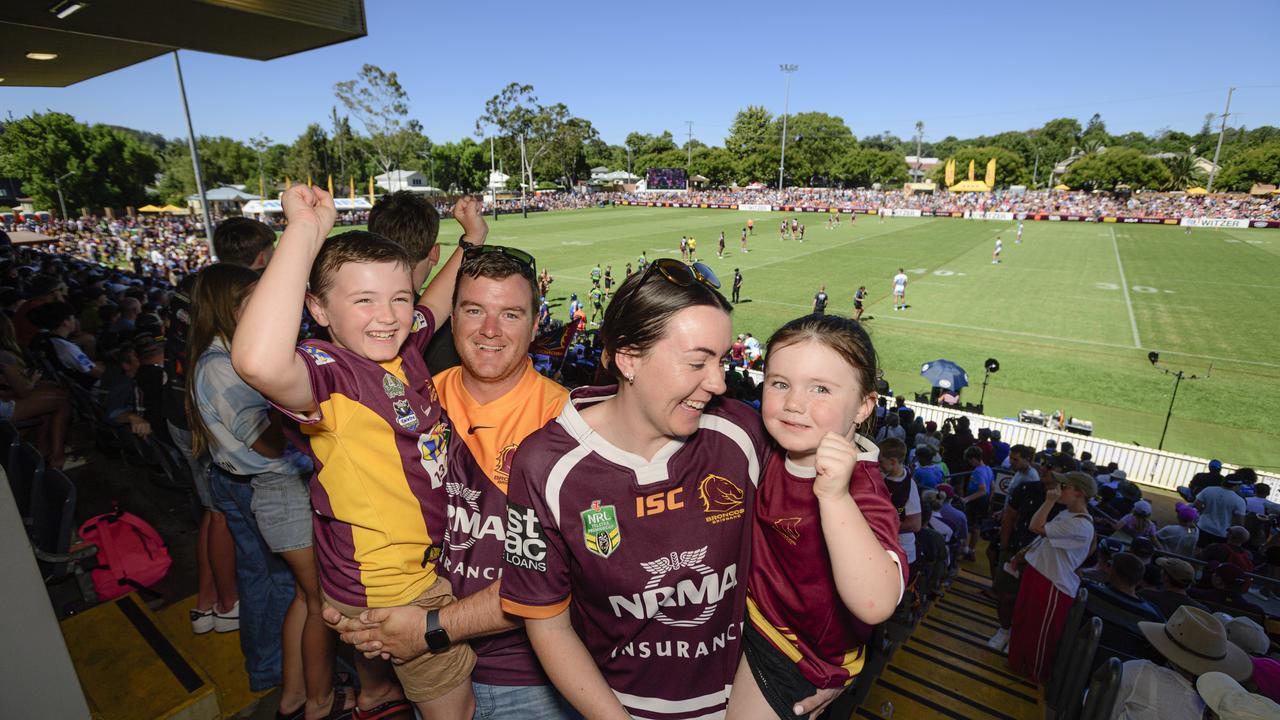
x=282, y=509
x=6, y=408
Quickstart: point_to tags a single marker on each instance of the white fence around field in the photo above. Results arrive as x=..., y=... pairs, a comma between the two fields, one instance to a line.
x=1145, y=466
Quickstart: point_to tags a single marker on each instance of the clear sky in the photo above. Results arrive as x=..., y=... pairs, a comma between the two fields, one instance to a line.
x=963, y=68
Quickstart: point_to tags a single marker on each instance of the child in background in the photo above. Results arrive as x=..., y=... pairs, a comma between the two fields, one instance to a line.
x=826, y=564
x=903, y=493
x=928, y=474
x=977, y=493
x=377, y=432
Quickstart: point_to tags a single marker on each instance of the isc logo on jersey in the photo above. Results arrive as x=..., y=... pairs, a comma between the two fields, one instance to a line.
x=526, y=544
x=682, y=591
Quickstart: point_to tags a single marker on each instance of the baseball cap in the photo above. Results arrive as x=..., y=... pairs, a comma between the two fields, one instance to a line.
x=1186, y=513
x=1118, y=474
x=1215, y=464
x=1180, y=570
x=1249, y=635
x=1231, y=701
x=1142, y=507
x=1080, y=481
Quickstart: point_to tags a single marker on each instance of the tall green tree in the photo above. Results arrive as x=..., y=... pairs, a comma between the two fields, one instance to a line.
x=863, y=167
x=1259, y=165
x=815, y=144
x=377, y=100
x=1183, y=172
x=109, y=168
x=1117, y=166
x=754, y=144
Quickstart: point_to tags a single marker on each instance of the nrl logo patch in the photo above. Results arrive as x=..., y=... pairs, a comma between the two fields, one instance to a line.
x=600, y=529
x=419, y=321
x=392, y=386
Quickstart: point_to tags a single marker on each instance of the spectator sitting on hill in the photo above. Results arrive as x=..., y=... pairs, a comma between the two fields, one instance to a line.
x=1193, y=642
x=1180, y=538
x=928, y=474
x=1176, y=577
x=1229, y=587
x=1220, y=507
x=1252, y=638
x=57, y=322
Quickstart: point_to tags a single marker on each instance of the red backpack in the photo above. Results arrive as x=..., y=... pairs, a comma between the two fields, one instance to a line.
x=131, y=554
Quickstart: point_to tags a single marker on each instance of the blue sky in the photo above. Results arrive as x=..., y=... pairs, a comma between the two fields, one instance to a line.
x=962, y=68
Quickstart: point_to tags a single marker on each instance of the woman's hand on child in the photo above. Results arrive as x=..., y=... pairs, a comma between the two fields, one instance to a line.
x=834, y=465
x=310, y=206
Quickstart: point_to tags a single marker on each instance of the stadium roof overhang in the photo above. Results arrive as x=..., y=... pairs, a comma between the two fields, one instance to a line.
x=101, y=36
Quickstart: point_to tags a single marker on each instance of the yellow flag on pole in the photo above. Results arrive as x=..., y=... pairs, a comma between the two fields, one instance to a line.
x=951, y=172
x=370, y=189
x=970, y=170
x=330, y=184
x=991, y=173
x=352, y=181
x=287, y=184
x=311, y=184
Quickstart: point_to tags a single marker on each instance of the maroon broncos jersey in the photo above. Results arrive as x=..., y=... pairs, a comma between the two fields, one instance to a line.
x=653, y=553
x=792, y=597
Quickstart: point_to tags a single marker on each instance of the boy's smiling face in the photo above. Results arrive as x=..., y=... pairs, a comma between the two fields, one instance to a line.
x=368, y=308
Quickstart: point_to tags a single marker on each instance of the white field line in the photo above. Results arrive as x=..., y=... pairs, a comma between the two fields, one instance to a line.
x=1124, y=285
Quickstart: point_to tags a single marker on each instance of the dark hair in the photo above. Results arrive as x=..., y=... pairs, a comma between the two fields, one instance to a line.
x=219, y=290
x=637, y=316
x=496, y=266
x=240, y=240
x=1023, y=451
x=50, y=315
x=43, y=284
x=925, y=454
x=353, y=246
x=409, y=220
x=893, y=449
x=1128, y=567
x=1261, y=490
x=973, y=452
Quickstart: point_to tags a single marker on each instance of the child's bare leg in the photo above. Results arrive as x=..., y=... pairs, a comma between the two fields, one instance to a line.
x=457, y=704
x=746, y=702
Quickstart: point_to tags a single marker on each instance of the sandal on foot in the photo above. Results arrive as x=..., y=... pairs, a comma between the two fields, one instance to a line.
x=385, y=710
x=338, y=709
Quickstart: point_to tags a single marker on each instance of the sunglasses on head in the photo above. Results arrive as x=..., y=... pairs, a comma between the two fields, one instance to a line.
x=677, y=273
x=525, y=259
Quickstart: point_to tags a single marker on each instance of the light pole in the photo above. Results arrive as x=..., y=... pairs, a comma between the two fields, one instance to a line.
x=786, y=108
x=260, y=143
x=1213, y=171
x=58, y=182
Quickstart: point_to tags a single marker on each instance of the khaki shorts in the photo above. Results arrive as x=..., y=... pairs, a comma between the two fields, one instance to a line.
x=430, y=675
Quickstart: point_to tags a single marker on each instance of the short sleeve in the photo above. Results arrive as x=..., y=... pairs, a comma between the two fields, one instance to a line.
x=1069, y=532
x=239, y=408
x=329, y=373
x=535, y=580
x=422, y=330
x=913, y=501
x=868, y=490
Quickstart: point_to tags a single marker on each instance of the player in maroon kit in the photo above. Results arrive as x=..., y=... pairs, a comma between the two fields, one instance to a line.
x=826, y=565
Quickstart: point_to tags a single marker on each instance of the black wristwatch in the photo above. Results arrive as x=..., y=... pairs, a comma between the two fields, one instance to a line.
x=464, y=244
x=437, y=638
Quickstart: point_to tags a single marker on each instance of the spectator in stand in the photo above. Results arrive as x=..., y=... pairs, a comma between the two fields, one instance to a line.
x=150, y=381
x=1138, y=523
x=1181, y=538
x=57, y=321
x=1023, y=470
x=1111, y=478
x=931, y=438
x=928, y=474
x=977, y=497
x=1220, y=507
x=93, y=298
x=1227, y=699
x=130, y=309
x=1193, y=642
x=984, y=444
x=117, y=392
x=23, y=396
x=244, y=241
x=1176, y=577
x=955, y=518
x=903, y=492
x=1207, y=479
x=956, y=438
x=1233, y=550
x=905, y=414
x=1086, y=463
x=1117, y=601
x=1048, y=576
x=892, y=428
x=1252, y=638
x=1258, y=504
x=1015, y=535
x=42, y=289
x=1228, y=591
x=999, y=450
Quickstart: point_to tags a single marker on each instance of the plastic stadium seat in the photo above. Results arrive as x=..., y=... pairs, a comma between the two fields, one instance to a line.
x=1067, y=704
x=52, y=536
x=1061, y=662
x=10, y=441
x=1103, y=689
x=26, y=479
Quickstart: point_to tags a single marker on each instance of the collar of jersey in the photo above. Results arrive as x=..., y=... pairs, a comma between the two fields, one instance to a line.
x=868, y=452
x=647, y=472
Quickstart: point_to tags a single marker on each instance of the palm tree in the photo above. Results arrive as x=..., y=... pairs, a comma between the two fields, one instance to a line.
x=1183, y=172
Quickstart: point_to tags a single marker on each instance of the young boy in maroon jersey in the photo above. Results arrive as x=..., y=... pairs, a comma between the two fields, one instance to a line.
x=375, y=427
x=826, y=565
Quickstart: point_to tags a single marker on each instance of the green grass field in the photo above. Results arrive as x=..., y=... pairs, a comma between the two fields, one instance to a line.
x=1070, y=313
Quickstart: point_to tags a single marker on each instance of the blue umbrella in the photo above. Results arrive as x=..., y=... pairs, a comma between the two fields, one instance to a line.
x=945, y=374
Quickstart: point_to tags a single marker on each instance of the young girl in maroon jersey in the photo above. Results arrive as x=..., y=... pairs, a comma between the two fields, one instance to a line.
x=826, y=564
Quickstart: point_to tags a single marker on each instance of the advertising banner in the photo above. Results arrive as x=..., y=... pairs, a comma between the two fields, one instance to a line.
x=1207, y=222
x=989, y=215
x=755, y=207
x=903, y=212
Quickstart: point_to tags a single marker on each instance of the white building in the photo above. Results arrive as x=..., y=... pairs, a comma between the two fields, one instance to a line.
x=410, y=180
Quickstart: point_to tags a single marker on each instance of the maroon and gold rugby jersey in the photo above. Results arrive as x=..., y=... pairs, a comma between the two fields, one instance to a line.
x=379, y=442
x=477, y=488
x=791, y=593
x=653, y=553
x=792, y=598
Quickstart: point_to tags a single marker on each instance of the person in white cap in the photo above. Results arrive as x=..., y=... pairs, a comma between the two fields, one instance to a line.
x=1252, y=638
x=1138, y=523
x=1231, y=701
x=1192, y=643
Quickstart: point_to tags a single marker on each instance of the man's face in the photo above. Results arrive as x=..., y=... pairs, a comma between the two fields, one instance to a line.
x=493, y=324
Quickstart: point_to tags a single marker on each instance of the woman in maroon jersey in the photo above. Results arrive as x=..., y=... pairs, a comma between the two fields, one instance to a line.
x=629, y=516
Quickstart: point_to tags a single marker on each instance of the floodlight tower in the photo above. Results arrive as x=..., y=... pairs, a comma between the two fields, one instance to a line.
x=786, y=108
